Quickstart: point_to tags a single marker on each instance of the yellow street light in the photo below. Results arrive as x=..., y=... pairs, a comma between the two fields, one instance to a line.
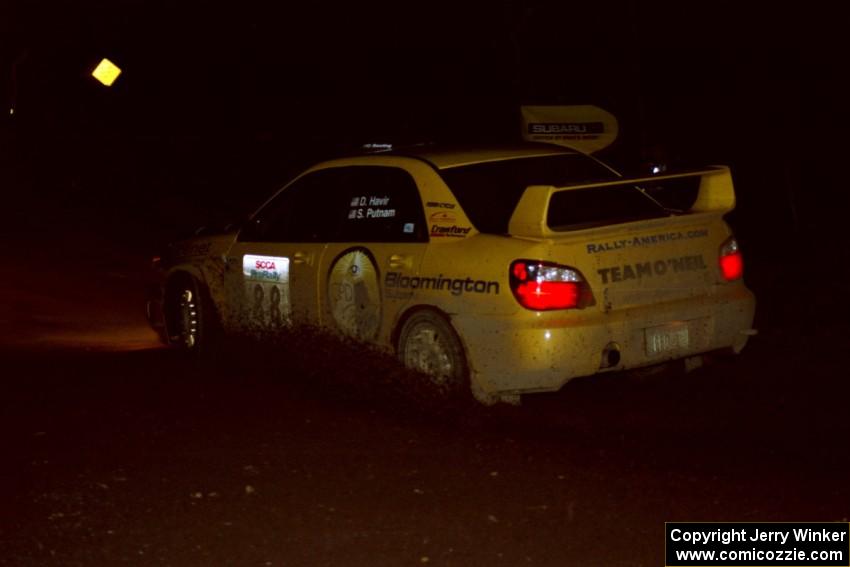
x=106, y=72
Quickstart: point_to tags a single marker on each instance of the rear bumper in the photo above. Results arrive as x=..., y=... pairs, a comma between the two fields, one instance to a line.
x=537, y=352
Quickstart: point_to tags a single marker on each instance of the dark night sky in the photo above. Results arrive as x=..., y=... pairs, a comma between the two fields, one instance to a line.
x=260, y=66
x=210, y=93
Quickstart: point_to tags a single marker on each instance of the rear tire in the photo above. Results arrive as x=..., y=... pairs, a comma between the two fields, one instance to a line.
x=428, y=344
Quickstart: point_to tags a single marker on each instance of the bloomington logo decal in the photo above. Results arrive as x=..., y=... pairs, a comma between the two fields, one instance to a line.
x=456, y=286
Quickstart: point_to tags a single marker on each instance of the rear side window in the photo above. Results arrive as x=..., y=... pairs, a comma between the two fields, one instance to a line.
x=378, y=204
x=343, y=204
x=489, y=192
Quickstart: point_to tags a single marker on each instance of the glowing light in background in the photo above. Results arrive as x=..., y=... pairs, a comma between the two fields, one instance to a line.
x=106, y=72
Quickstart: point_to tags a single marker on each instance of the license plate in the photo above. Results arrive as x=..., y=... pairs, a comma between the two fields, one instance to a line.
x=668, y=338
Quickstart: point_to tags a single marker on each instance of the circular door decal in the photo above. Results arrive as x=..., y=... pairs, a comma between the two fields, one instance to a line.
x=354, y=294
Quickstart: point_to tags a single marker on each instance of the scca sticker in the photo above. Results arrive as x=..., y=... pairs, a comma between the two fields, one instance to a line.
x=265, y=268
x=266, y=290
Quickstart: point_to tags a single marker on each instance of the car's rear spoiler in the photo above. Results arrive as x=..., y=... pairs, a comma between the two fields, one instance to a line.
x=716, y=194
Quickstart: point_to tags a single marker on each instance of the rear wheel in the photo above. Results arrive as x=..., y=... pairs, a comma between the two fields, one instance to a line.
x=428, y=344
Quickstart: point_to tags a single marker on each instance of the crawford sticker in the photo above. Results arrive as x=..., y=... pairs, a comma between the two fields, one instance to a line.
x=443, y=224
x=456, y=286
x=450, y=231
x=649, y=269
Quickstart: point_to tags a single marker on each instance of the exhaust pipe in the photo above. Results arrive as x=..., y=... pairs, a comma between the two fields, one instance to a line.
x=610, y=356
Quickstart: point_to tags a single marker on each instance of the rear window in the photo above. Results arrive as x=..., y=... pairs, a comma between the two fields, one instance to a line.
x=586, y=208
x=489, y=192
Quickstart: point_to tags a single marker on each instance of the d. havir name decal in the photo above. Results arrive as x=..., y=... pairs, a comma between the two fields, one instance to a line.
x=370, y=207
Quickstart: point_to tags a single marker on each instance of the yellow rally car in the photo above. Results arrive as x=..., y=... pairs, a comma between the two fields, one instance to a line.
x=506, y=271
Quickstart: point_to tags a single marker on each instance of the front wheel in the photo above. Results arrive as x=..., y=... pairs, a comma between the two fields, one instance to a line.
x=428, y=344
x=189, y=317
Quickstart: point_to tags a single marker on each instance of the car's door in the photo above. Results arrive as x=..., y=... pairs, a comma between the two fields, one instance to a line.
x=271, y=270
x=382, y=237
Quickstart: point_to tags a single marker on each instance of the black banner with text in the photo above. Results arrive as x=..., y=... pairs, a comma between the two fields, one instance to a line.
x=758, y=544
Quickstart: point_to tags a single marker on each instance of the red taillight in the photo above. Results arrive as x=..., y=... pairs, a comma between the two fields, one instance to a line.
x=519, y=271
x=543, y=286
x=731, y=261
x=548, y=295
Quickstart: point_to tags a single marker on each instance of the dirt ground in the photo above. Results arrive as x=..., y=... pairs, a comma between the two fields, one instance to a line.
x=117, y=451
